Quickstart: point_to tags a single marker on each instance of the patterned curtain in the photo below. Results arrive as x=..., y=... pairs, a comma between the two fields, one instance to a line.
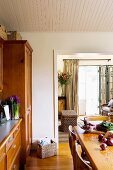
x=71, y=66
x=105, y=84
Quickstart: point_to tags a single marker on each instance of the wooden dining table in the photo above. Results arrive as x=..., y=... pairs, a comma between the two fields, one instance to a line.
x=100, y=159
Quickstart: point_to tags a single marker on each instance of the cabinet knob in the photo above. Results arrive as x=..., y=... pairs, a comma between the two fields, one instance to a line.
x=22, y=61
x=14, y=166
x=17, y=128
x=10, y=139
x=14, y=146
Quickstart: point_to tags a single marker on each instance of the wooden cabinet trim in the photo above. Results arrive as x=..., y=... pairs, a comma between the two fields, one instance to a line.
x=19, y=42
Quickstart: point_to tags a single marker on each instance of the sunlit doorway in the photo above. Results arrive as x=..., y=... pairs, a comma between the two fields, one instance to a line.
x=85, y=59
x=88, y=93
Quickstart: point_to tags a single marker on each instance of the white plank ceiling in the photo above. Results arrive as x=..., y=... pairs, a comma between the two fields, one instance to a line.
x=57, y=15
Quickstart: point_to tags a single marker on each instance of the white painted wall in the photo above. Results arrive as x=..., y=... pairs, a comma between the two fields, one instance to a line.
x=43, y=45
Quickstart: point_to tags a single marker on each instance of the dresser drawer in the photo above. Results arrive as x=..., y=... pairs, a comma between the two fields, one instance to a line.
x=13, y=150
x=9, y=142
x=17, y=130
x=2, y=151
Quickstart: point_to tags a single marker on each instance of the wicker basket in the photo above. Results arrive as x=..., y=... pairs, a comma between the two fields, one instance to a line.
x=3, y=34
x=13, y=35
x=46, y=151
x=68, y=117
x=2, y=27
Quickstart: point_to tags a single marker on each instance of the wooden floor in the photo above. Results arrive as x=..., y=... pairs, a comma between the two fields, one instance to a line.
x=63, y=161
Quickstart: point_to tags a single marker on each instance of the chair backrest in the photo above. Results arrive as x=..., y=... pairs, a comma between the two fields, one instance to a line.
x=81, y=163
x=72, y=139
x=97, y=118
x=75, y=152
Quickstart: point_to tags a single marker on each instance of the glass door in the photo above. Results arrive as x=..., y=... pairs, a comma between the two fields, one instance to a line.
x=88, y=90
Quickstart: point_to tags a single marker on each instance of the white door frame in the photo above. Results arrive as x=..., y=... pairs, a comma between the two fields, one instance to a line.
x=55, y=79
x=55, y=88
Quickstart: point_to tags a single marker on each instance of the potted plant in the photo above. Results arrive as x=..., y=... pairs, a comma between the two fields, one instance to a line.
x=63, y=79
x=14, y=103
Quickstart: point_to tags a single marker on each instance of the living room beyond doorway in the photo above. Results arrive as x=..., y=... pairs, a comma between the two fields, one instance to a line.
x=90, y=80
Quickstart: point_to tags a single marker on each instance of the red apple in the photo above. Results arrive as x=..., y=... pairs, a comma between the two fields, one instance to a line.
x=104, y=140
x=110, y=141
x=100, y=136
x=103, y=146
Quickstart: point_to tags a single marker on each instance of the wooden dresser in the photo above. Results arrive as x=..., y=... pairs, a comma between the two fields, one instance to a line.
x=10, y=145
x=17, y=80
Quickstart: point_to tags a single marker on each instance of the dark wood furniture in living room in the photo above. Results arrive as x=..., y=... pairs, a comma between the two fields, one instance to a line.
x=17, y=80
x=61, y=105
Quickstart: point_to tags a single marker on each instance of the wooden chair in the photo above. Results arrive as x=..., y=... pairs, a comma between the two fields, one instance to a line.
x=72, y=141
x=81, y=163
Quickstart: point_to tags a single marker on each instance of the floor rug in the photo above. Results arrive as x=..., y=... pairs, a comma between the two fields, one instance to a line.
x=63, y=136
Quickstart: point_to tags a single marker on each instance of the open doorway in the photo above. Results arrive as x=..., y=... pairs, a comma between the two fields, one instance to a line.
x=90, y=58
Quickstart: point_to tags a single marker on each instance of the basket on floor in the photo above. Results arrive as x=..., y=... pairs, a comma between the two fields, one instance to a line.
x=45, y=151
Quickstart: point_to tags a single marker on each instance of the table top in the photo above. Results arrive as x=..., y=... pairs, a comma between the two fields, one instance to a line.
x=100, y=159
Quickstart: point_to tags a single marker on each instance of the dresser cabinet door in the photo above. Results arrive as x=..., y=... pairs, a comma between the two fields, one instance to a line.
x=15, y=165
x=28, y=101
x=2, y=159
x=28, y=131
x=3, y=162
x=28, y=80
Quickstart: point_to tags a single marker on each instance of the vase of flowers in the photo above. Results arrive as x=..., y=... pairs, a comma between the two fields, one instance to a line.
x=63, y=79
x=14, y=104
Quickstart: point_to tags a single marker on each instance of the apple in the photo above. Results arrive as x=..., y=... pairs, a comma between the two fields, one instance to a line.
x=100, y=136
x=103, y=146
x=110, y=141
x=104, y=140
